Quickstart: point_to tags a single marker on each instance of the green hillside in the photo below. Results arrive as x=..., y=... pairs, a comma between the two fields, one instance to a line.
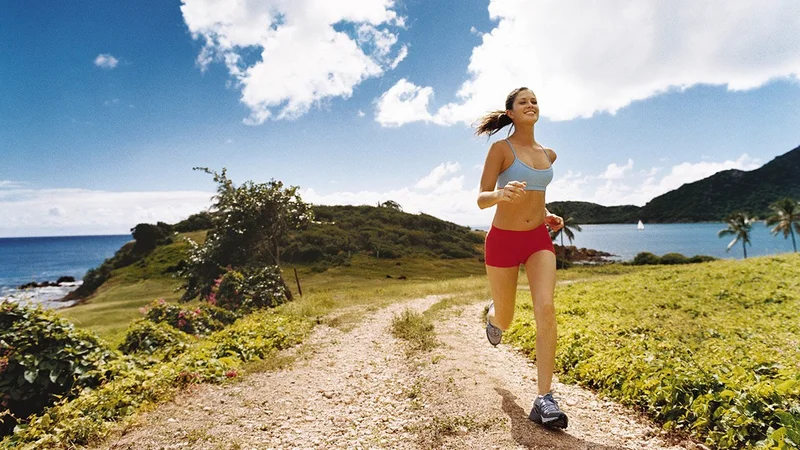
x=712, y=198
x=586, y=212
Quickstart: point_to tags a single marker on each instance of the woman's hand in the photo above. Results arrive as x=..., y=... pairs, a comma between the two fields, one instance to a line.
x=512, y=191
x=554, y=222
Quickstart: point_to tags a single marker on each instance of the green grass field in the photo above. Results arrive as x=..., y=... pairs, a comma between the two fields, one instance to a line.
x=708, y=348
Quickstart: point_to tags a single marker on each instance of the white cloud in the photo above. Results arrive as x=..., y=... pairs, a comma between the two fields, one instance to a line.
x=106, y=61
x=619, y=186
x=403, y=103
x=301, y=58
x=615, y=172
x=49, y=212
x=433, y=179
x=583, y=58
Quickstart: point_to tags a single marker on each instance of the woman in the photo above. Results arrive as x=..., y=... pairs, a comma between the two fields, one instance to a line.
x=515, y=176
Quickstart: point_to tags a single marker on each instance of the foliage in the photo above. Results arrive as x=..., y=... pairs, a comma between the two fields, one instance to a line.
x=145, y=336
x=142, y=383
x=785, y=215
x=416, y=329
x=383, y=232
x=710, y=350
x=739, y=225
x=249, y=289
x=647, y=258
x=195, y=222
x=570, y=224
x=201, y=320
x=43, y=358
x=250, y=226
x=148, y=236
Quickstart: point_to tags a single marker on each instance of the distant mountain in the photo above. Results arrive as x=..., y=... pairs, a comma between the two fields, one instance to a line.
x=586, y=212
x=713, y=198
x=709, y=199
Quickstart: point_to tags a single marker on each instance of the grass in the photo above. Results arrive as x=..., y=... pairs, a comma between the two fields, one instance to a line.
x=708, y=348
x=416, y=329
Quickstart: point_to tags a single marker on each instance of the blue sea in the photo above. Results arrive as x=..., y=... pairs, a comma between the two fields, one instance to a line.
x=39, y=259
x=625, y=241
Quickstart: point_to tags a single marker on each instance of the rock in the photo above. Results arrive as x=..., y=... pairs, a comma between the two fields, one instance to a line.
x=65, y=279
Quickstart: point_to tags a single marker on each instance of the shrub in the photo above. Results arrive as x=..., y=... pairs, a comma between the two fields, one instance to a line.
x=674, y=258
x=148, y=236
x=195, y=222
x=144, y=336
x=43, y=357
x=701, y=258
x=250, y=289
x=201, y=320
x=645, y=258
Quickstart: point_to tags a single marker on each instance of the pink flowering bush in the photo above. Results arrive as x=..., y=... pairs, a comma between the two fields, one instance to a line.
x=201, y=320
x=249, y=289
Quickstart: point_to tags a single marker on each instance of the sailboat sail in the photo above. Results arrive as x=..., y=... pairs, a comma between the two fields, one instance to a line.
x=640, y=226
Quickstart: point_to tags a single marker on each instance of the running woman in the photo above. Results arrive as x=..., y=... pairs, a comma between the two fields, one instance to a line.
x=515, y=175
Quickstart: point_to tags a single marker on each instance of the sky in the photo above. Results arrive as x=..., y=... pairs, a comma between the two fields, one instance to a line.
x=105, y=107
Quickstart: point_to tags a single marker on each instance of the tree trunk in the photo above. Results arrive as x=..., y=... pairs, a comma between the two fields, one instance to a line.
x=744, y=247
x=794, y=245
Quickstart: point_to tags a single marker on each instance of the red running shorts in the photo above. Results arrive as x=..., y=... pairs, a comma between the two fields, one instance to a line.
x=507, y=248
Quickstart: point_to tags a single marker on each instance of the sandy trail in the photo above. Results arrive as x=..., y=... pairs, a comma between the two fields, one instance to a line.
x=361, y=389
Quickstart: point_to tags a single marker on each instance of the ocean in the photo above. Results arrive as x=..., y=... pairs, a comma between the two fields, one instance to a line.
x=23, y=260
x=39, y=259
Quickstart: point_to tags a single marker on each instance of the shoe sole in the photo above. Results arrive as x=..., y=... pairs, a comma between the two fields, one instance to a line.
x=488, y=324
x=558, y=422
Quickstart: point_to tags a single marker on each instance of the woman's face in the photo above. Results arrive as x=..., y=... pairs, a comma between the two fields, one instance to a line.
x=525, y=108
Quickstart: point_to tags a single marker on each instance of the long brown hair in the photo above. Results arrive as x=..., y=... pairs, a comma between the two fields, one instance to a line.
x=494, y=121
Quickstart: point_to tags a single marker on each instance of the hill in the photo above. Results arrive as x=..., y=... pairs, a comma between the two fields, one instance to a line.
x=715, y=197
x=587, y=212
x=384, y=232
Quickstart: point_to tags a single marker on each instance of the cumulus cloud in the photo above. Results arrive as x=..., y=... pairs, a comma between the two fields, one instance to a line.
x=288, y=56
x=584, y=58
x=403, y=103
x=434, y=178
x=438, y=193
x=49, y=212
x=620, y=186
x=106, y=61
x=615, y=172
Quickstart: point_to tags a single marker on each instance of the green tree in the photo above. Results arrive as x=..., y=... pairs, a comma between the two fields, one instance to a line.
x=739, y=225
x=250, y=226
x=786, y=214
x=569, y=225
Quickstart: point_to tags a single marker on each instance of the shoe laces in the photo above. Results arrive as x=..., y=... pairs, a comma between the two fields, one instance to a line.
x=549, y=404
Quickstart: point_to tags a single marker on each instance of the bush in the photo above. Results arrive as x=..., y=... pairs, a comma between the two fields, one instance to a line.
x=645, y=258
x=701, y=258
x=43, y=357
x=674, y=258
x=200, y=321
x=148, y=236
x=250, y=289
x=144, y=336
x=195, y=222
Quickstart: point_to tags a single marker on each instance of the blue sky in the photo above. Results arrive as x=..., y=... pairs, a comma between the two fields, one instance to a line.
x=107, y=106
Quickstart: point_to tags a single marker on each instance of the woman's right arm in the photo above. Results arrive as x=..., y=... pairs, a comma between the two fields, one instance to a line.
x=490, y=195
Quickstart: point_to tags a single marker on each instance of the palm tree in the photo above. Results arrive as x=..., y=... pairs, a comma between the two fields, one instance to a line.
x=569, y=225
x=739, y=224
x=787, y=214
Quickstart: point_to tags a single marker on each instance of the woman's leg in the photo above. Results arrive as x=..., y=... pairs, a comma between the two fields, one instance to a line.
x=503, y=284
x=541, y=270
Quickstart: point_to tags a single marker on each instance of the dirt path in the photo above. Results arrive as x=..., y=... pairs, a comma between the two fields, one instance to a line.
x=360, y=389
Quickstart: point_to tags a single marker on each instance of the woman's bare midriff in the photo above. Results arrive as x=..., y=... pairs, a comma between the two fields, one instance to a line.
x=525, y=214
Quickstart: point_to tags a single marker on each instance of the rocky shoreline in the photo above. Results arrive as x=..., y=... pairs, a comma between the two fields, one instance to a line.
x=584, y=255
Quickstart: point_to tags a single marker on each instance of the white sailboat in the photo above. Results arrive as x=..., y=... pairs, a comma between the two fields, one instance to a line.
x=640, y=226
